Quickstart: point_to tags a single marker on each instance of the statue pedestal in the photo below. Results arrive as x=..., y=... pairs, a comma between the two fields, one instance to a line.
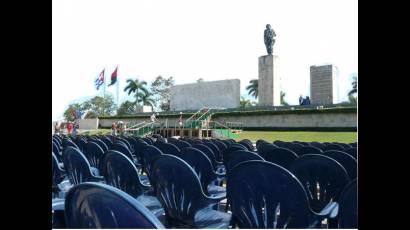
x=269, y=81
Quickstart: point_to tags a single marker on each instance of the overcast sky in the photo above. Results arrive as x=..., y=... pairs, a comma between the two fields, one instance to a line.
x=190, y=39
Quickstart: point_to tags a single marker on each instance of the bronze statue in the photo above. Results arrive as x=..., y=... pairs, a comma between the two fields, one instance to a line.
x=269, y=37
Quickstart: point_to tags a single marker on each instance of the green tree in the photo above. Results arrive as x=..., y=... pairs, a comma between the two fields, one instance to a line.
x=282, y=98
x=127, y=108
x=136, y=86
x=146, y=99
x=161, y=91
x=354, y=86
x=244, y=103
x=253, y=88
x=352, y=99
x=68, y=114
x=99, y=106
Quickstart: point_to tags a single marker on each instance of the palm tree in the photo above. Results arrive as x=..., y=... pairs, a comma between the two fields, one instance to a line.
x=146, y=99
x=354, y=85
x=253, y=88
x=245, y=103
x=134, y=86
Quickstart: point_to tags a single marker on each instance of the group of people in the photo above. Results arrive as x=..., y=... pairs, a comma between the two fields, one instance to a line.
x=118, y=128
x=72, y=127
x=304, y=101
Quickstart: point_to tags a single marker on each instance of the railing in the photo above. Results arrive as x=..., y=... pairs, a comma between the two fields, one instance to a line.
x=147, y=128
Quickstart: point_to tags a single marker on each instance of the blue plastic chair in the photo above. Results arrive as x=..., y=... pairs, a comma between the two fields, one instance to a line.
x=295, y=147
x=352, y=152
x=120, y=172
x=94, y=154
x=264, y=148
x=215, y=149
x=317, y=145
x=280, y=156
x=348, y=206
x=182, y=144
x=80, y=142
x=222, y=148
x=180, y=192
x=78, y=168
x=167, y=148
x=354, y=144
x=260, y=143
x=148, y=140
x=122, y=148
x=240, y=156
x=348, y=162
x=344, y=145
x=322, y=177
x=94, y=205
x=309, y=150
x=69, y=143
x=100, y=143
x=265, y=195
x=333, y=147
x=150, y=153
x=247, y=143
x=58, y=175
x=210, y=154
x=107, y=141
x=204, y=170
x=56, y=151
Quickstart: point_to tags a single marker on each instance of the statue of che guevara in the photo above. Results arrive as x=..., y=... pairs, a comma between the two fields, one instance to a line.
x=269, y=38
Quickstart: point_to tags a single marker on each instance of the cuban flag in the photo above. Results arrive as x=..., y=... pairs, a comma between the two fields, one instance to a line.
x=100, y=80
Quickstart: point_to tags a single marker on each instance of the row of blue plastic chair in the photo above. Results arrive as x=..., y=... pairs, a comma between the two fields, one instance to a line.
x=195, y=157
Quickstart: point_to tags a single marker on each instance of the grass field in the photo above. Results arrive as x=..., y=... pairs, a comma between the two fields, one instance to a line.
x=270, y=136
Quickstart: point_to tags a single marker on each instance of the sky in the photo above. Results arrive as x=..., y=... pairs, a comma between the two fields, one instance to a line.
x=192, y=39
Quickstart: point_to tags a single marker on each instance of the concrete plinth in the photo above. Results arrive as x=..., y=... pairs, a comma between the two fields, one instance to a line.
x=269, y=81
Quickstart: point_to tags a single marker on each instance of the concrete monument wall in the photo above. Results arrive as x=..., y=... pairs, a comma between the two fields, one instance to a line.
x=221, y=94
x=324, y=87
x=88, y=123
x=269, y=81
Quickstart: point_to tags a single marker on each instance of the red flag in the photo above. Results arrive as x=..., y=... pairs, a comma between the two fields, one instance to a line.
x=114, y=77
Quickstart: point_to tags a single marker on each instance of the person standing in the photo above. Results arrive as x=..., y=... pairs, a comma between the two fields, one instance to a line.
x=180, y=119
x=69, y=127
x=113, y=129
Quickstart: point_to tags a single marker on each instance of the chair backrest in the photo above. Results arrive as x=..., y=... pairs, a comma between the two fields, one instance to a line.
x=167, y=148
x=100, y=143
x=281, y=156
x=221, y=146
x=150, y=153
x=247, y=143
x=348, y=162
x=309, y=150
x=351, y=151
x=69, y=143
x=148, y=140
x=182, y=144
x=57, y=176
x=119, y=171
x=209, y=153
x=265, y=195
x=178, y=188
x=333, y=147
x=348, y=206
x=317, y=145
x=240, y=156
x=215, y=149
x=56, y=151
x=344, y=145
x=107, y=141
x=125, y=142
x=80, y=142
x=322, y=177
x=77, y=166
x=122, y=148
x=295, y=147
x=95, y=205
x=94, y=154
x=354, y=144
x=260, y=142
x=265, y=148
x=201, y=164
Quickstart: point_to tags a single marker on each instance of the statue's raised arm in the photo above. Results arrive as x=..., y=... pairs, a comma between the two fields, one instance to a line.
x=269, y=38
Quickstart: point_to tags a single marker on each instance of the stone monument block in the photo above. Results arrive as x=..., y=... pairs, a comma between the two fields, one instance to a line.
x=269, y=81
x=324, y=88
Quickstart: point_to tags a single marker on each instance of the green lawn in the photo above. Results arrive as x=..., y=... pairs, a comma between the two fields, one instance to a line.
x=270, y=136
x=97, y=132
